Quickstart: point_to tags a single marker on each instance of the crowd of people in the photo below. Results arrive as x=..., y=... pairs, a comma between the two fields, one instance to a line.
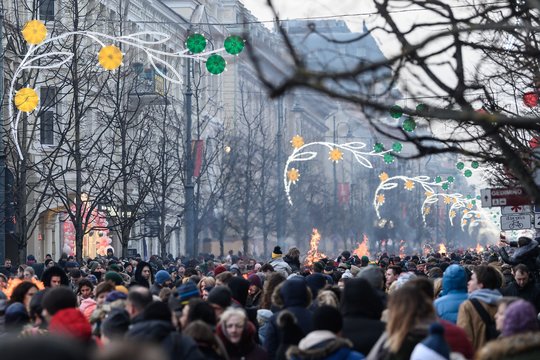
x=461, y=305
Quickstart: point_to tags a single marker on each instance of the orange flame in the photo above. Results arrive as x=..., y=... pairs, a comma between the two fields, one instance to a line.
x=402, y=249
x=313, y=254
x=363, y=248
x=13, y=283
x=479, y=248
x=442, y=249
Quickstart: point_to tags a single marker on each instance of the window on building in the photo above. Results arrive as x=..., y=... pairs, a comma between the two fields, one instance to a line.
x=48, y=112
x=46, y=9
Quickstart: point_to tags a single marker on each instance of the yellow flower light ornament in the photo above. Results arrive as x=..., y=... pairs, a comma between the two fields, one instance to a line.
x=447, y=200
x=469, y=206
x=452, y=213
x=429, y=193
x=427, y=211
x=380, y=199
x=110, y=57
x=297, y=141
x=383, y=176
x=335, y=155
x=34, y=32
x=26, y=99
x=409, y=185
x=293, y=175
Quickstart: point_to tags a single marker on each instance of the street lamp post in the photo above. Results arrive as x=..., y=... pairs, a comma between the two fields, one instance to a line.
x=280, y=208
x=189, y=204
x=2, y=157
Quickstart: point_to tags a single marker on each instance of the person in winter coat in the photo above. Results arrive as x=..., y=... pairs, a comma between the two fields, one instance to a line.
x=163, y=280
x=454, y=292
x=519, y=337
x=293, y=259
x=482, y=288
x=523, y=286
x=324, y=342
x=239, y=336
x=293, y=296
x=527, y=253
x=143, y=275
x=278, y=263
x=361, y=308
x=209, y=344
x=410, y=313
x=156, y=327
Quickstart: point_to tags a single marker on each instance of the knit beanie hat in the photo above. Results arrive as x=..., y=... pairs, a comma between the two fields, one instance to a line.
x=187, y=291
x=93, y=266
x=114, y=277
x=277, y=252
x=71, y=322
x=115, y=295
x=434, y=347
x=116, y=323
x=519, y=317
x=219, y=269
x=221, y=296
x=327, y=317
x=162, y=276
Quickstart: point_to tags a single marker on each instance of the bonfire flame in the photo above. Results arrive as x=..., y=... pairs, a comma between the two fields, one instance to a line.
x=313, y=254
x=402, y=249
x=479, y=248
x=442, y=249
x=363, y=248
x=13, y=283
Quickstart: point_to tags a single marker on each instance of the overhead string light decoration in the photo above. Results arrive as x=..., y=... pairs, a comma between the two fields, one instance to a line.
x=110, y=57
x=358, y=150
x=459, y=203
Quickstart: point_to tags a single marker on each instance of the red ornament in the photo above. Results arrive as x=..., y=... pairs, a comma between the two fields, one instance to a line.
x=534, y=142
x=530, y=99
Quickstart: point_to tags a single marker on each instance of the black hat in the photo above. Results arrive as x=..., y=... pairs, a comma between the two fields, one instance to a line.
x=115, y=324
x=327, y=318
x=220, y=295
x=277, y=252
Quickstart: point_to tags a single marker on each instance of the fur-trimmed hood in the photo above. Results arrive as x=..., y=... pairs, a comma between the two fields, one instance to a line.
x=318, y=344
x=512, y=347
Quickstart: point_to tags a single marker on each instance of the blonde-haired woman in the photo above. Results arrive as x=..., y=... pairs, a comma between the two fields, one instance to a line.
x=238, y=336
x=206, y=282
x=410, y=313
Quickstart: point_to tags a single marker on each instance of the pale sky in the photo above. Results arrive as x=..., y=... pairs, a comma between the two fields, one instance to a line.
x=290, y=9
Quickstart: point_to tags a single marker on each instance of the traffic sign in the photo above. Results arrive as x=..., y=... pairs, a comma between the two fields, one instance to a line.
x=485, y=197
x=537, y=221
x=509, y=197
x=516, y=222
x=516, y=209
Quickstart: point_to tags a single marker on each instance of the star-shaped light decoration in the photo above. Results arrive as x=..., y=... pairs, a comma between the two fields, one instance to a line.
x=478, y=216
x=452, y=213
x=429, y=193
x=409, y=185
x=110, y=57
x=464, y=222
x=427, y=211
x=293, y=175
x=447, y=200
x=335, y=155
x=26, y=99
x=383, y=176
x=34, y=32
x=469, y=206
x=380, y=199
x=465, y=212
x=297, y=141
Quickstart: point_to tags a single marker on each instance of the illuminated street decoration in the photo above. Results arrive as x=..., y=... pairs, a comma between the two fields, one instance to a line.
x=459, y=203
x=109, y=57
x=335, y=154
